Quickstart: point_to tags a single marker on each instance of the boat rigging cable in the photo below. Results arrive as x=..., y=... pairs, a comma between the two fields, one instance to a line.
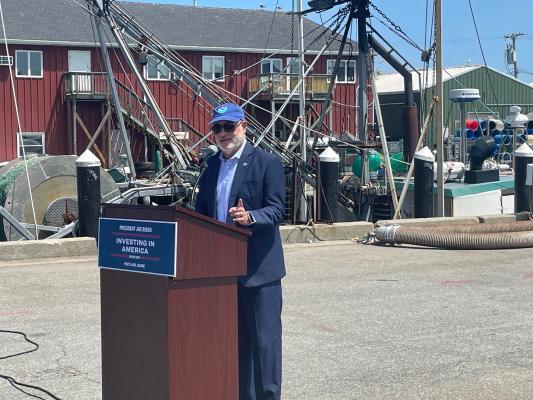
x=144, y=106
x=191, y=70
x=210, y=94
x=483, y=54
x=271, y=26
x=17, y=113
x=397, y=30
x=210, y=83
x=226, y=91
x=291, y=45
x=327, y=100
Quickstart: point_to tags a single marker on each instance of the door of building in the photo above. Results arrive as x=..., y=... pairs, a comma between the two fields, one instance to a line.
x=79, y=62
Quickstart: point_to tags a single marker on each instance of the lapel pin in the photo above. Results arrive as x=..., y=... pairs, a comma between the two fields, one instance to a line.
x=244, y=164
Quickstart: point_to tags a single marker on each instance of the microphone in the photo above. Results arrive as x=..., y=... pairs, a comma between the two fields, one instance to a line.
x=201, y=165
x=205, y=153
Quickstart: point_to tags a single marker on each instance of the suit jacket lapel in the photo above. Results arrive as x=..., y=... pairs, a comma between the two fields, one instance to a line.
x=240, y=173
x=212, y=186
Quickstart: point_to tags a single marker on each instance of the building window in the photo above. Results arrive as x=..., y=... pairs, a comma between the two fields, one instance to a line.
x=270, y=66
x=213, y=67
x=29, y=63
x=292, y=65
x=6, y=60
x=33, y=143
x=346, y=72
x=156, y=70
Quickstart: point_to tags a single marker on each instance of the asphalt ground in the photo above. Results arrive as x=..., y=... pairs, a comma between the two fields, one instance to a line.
x=360, y=322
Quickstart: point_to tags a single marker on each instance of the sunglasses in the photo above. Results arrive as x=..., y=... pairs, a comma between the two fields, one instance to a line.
x=228, y=127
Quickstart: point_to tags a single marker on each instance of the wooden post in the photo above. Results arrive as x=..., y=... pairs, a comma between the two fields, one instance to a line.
x=74, y=133
x=70, y=146
x=384, y=145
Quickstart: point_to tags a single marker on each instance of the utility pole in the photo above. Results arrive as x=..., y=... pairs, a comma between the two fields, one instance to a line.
x=511, y=51
x=302, y=122
x=438, y=111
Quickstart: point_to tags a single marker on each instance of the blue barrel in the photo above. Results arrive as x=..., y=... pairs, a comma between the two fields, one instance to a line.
x=470, y=134
x=505, y=139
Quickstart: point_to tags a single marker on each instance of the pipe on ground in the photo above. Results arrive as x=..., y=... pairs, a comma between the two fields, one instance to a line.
x=518, y=226
x=460, y=240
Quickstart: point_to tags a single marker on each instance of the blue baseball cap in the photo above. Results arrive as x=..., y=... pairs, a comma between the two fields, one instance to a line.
x=227, y=112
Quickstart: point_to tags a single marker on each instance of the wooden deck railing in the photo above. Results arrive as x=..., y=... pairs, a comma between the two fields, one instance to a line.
x=279, y=85
x=86, y=84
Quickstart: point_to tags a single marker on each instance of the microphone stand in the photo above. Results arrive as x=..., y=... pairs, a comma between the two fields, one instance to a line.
x=192, y=202
x=202, y=166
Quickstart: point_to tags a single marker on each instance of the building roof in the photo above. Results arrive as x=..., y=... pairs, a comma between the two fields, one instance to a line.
x=393, y=82
x=64, y=22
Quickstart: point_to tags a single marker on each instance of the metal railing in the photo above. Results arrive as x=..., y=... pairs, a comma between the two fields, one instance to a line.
x=95, y=85
x=140, y=112
x=281, y=84
x=86, y=84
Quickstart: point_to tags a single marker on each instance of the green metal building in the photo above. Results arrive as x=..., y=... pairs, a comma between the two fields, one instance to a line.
x=498, y=92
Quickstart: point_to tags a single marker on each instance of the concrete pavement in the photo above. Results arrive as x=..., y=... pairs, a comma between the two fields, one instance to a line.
x=360, y=322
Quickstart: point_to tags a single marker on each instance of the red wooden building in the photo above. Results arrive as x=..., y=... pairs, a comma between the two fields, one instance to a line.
x=61, y=88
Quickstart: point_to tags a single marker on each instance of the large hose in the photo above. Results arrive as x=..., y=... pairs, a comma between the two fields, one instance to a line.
x=518, y=226
x=467, y=238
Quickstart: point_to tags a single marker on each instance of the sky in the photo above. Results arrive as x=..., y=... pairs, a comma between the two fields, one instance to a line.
x=494, y=19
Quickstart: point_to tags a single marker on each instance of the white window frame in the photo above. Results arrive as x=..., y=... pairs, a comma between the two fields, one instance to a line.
x=20, y=135
x=270, y=62
x=296, y=65
x=330, y=64
x=160, y=76
x=6, y=60
x=28, y=75
x=213, y=78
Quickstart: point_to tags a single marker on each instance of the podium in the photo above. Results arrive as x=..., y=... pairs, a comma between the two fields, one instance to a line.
x=174, y=338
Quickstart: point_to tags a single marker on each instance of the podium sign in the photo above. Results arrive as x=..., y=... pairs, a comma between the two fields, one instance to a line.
x=142, y=246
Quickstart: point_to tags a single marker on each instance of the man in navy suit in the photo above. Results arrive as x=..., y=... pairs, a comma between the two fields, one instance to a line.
x=244, y=185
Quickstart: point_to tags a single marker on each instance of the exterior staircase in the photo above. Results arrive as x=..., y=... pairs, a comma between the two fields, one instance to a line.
x=139, y=114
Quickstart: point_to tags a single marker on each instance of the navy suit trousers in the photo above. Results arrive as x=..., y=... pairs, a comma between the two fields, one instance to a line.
x=260, y=341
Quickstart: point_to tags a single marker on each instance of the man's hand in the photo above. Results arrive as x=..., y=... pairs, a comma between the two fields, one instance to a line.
x=239, y=214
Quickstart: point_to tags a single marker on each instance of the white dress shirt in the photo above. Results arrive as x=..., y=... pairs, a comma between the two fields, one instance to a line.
x=226, y=173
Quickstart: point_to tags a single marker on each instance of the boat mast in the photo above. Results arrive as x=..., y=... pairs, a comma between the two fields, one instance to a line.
x=301, y=101
x=362, y=77
x=438, y=111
